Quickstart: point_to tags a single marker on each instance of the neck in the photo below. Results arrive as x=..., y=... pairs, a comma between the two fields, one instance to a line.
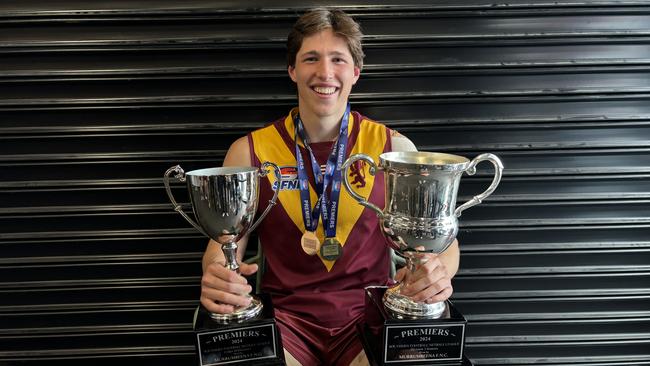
x=321, y=128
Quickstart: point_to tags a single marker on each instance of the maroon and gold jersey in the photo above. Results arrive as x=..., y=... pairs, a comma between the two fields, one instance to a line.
x=327, y=292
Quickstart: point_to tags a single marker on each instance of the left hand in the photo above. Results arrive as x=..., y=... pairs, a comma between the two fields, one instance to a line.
x=430, y=283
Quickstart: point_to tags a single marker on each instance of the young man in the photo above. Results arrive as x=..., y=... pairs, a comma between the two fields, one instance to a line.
x=320, y=254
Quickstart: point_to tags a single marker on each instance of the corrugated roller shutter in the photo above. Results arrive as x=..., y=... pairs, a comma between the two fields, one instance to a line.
x=98, y=100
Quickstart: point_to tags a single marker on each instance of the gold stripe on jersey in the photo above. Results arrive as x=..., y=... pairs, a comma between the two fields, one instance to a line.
x=269, y=145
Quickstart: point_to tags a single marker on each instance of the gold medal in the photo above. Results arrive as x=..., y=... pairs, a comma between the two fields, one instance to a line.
x=310, y=243
x=331, y=249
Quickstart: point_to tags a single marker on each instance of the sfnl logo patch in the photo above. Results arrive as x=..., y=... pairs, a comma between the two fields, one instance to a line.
x=289, y=178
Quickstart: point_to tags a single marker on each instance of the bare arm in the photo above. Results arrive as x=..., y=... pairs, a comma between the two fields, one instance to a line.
x=451, y=258
x=400, y=142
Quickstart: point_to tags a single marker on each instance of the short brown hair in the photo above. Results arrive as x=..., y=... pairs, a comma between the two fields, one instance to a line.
x=319, y=19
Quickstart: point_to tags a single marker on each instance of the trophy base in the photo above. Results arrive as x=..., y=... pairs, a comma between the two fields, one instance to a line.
x=402, y=307
x=241, y=314
x=254, y=341
x=388, y=340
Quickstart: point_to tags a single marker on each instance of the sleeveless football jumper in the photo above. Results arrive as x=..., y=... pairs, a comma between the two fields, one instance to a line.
x=310, y=292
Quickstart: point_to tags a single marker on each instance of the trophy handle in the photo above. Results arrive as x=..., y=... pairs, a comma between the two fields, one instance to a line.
x=373, y=167
x=180, y=175
x=471, y=170
x=273, y=201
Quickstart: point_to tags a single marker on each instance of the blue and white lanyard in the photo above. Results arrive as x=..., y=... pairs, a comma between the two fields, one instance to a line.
x=328, y=207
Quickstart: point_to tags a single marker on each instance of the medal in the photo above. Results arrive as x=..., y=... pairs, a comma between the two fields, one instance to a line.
x=310, y=243
x=331, y=249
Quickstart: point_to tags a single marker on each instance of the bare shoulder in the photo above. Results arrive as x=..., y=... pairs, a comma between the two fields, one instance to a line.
x=239, y=153
x=400, y=142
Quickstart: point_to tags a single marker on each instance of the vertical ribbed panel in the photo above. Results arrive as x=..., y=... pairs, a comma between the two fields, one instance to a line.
x=98, y=100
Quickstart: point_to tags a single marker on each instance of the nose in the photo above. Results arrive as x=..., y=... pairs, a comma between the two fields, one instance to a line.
x=325, y=70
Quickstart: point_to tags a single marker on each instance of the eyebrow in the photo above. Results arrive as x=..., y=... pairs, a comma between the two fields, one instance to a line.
x=316, y=53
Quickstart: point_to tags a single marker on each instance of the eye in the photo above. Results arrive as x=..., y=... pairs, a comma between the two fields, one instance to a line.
x=310, y=59
x=339, y=60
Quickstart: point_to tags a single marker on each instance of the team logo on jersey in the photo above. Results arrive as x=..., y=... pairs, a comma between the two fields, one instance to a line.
x=358, y=174
x=290, y=178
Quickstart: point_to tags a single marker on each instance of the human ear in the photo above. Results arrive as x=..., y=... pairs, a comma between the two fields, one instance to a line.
x=292, y=72
x=357, y=73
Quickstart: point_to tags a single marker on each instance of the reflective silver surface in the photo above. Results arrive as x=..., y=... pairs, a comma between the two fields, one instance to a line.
x=420, y=213
x=402, y=307
x=240, y=314
x=224, y=202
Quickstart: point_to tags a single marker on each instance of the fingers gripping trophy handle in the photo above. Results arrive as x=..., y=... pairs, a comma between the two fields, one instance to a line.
x=180, y=175
x=471, y=170
x=373, y=168
x=276, y=191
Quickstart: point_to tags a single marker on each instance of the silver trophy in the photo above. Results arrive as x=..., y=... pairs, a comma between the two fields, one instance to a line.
x=224, y=201
x=420, y=214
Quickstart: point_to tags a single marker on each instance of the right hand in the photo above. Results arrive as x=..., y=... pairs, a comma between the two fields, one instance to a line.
x=222, y=290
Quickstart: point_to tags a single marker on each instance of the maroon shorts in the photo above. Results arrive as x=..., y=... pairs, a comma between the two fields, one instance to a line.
x=313, y=344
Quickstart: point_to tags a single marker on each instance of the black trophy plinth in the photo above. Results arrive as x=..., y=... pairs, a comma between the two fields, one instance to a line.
x=391, y=341
x=256, y=341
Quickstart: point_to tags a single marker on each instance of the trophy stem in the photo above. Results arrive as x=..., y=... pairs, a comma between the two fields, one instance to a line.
x=230, y=254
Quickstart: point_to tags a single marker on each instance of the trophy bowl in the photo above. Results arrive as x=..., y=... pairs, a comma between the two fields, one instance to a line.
x=224, y=202
x=420, y=215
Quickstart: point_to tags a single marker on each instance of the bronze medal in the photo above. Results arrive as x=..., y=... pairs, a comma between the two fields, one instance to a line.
x=310, y=243
x=331, y=249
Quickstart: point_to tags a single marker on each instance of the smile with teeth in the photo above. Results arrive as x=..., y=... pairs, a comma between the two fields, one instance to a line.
x=327, y=90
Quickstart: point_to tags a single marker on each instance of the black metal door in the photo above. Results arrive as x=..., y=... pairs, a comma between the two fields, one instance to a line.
x=97, y=100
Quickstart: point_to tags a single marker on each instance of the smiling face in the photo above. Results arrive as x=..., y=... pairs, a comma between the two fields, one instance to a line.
x=324, y=74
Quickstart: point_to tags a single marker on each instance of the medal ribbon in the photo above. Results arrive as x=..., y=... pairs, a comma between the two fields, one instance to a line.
x=328, y=207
